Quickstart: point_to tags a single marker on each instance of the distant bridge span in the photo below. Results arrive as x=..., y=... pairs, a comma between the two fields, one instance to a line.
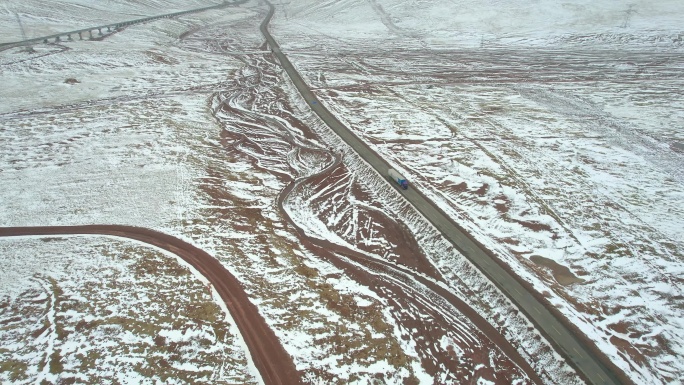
x=88, y=32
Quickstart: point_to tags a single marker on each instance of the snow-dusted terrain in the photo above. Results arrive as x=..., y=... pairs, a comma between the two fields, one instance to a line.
x=549, y=131
x=33, y=19
x=123, y=131
x=95, y=309
x=545, y=130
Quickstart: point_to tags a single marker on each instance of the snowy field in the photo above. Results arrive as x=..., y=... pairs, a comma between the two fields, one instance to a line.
x=550, y=132
x=185, y=126
x=546, y=131
x=34, y=19
x=94, y=309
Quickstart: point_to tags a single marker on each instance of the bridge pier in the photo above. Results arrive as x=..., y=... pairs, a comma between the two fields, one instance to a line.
x=69, y=37
x=57, y=39
x=109, y=29
x=91, y=34
x=80, y=37
x=100, y=31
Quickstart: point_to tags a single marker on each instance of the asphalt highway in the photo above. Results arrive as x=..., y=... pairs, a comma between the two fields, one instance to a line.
x=565, y=341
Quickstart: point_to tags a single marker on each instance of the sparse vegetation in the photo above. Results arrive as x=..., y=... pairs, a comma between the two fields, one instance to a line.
x=154, y=306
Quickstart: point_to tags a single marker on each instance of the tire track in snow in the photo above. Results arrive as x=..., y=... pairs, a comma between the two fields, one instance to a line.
x=261, y=135
x=593, y=366
x=388, y=22
x=424, y=290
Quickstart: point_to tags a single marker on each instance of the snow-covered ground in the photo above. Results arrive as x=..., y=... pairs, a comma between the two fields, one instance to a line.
x=95, y=309
x=549, y=131
x=123, y=131
x=533, y=125
x=34, y=19
x=89, y=134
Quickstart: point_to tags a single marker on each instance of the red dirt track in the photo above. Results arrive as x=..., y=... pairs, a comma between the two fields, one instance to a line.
x=270, y=358
x=372, y=267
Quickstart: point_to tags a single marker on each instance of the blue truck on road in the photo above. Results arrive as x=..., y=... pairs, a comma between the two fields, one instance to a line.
x=401, y=181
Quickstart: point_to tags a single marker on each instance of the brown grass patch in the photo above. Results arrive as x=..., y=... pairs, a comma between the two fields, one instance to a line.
x=561, y=273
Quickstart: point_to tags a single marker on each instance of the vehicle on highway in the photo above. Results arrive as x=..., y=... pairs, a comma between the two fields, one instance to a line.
x=401, y=181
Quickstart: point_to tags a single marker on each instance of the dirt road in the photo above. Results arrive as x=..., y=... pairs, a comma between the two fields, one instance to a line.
x=270, y=358
x=373, y=272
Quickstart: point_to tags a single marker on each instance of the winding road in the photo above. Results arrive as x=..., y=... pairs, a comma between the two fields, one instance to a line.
x=270, y=358
x=273, y=362
x=578, y=353
x=356, y=263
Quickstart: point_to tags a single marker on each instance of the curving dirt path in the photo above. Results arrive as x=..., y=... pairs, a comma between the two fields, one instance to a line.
x=423, y=288
x=367, y=270
x=263, y=136
x=270, y=358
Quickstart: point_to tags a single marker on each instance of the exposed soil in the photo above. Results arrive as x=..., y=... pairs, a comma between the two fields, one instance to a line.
x=252, y=113
x=428, y=335
x=270, y=358
x=561, y=273
x=405, y=250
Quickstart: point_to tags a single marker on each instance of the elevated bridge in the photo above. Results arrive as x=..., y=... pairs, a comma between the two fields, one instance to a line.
x=102, y=30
